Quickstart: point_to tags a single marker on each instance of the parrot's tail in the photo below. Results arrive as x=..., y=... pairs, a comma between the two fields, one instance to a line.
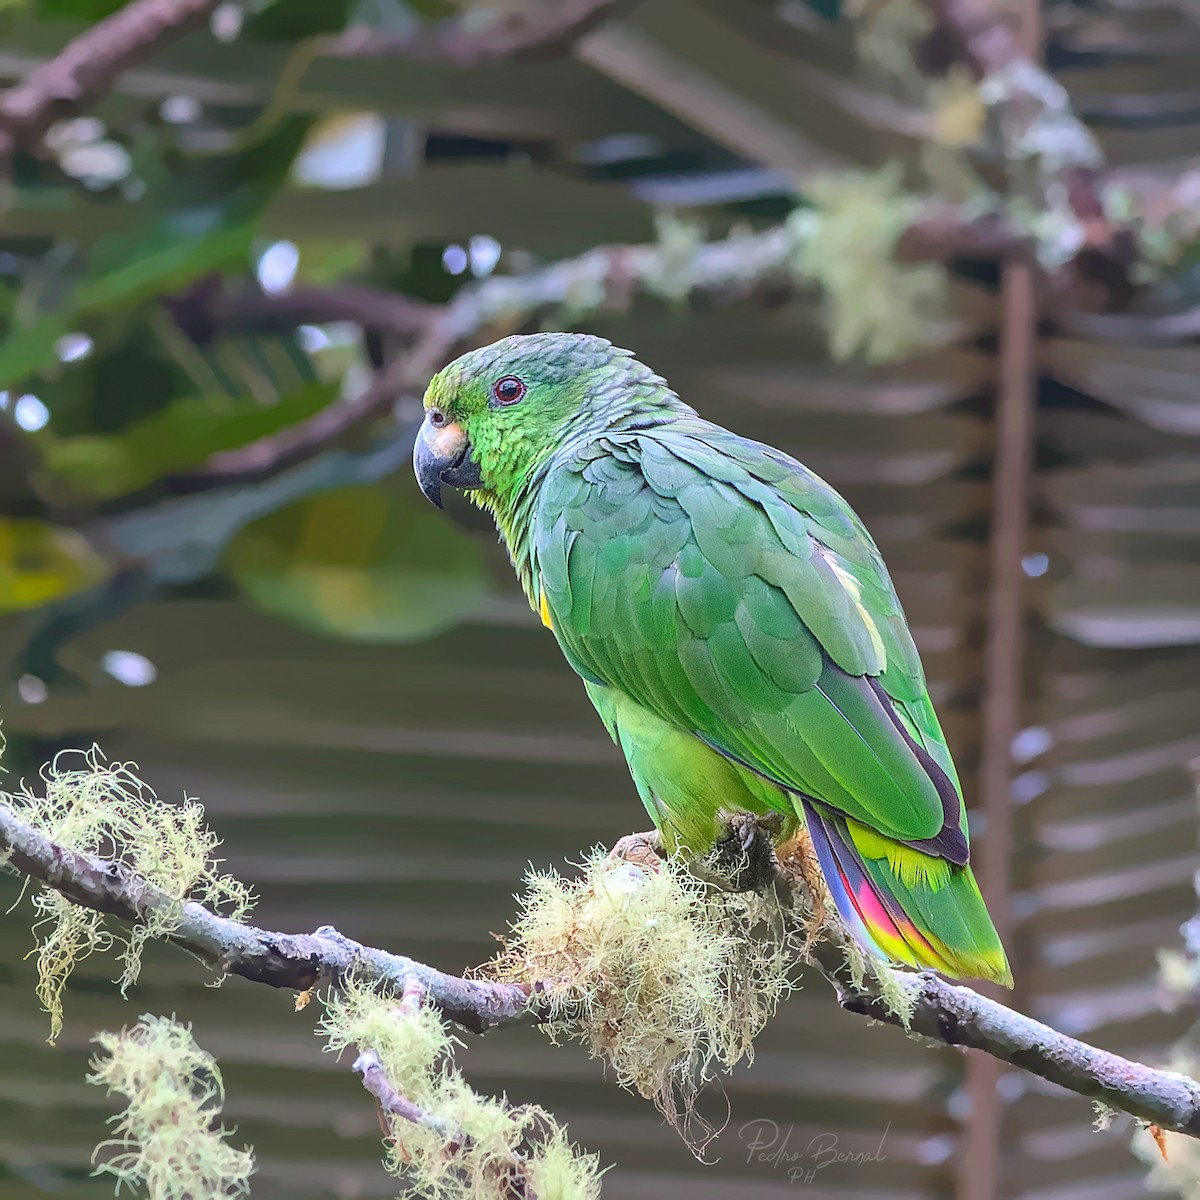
x=904, y=905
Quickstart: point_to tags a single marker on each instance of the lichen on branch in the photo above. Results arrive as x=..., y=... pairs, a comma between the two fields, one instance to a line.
x=167, y=1138
x=446, y=1140
x=664, y=978
x=922, y=1004
x=876, y=306
x=88, y=806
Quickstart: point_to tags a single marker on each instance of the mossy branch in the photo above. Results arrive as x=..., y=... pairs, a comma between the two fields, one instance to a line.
x=605, y=278
x=298, y=962
x=88, y=66
x=960, y=1016
x=954, y=1015
x=445, y=1139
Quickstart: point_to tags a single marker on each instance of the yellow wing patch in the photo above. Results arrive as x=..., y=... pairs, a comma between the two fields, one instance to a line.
x=911, y=867
x=544, y=610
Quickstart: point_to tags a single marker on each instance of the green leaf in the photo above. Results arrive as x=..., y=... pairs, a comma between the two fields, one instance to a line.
x=31, y=348
x=295, y=20
x=369, y=564
x=182, y=435
x=79, y=10
x=166, y=253
x=40, y=563
x=166, y=256
x=126, y=268
x=327, y=261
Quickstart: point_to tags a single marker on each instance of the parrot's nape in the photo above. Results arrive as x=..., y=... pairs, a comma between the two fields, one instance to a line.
x=733, y=623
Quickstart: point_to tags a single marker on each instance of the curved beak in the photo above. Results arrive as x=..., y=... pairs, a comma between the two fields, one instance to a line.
x=442, y=455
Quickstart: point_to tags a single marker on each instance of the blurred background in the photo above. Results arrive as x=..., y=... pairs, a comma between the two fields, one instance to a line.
x=236, y=238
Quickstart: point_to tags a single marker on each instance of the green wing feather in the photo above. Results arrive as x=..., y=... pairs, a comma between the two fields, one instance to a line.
x=727, y=590
x=730, y=591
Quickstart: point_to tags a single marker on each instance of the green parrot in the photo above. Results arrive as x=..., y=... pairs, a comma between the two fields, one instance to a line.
x=733, y=623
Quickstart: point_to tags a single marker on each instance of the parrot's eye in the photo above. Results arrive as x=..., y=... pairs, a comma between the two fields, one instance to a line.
x=508, y=390
x=437, y=417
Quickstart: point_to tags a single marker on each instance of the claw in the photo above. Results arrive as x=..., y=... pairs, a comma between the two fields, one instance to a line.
x=744, y=860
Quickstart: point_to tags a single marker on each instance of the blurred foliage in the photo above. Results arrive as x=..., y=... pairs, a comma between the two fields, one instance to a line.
x=372, y=563
x=112, y=246
x=40, y=563
x=183, y=434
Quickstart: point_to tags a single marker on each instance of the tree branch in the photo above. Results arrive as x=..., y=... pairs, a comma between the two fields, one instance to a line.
x=1050, y=156
x=511, y=299
x=980, y=36
x=208, y=309
x=545, y=31
x=944, y=1012
x=511, y=1177
x=283, y=960
x=959, y=1016
x=89, y=65
x=87, y=68
x=391, y=1103
x=606, y=277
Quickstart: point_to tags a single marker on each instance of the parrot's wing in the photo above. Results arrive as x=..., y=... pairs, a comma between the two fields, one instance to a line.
x=726, y=588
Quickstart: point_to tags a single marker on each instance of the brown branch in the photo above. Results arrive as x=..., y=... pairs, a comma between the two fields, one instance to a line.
x=975, y=34
x=391, y=1102
x=545, y=31
x=606, y=277
x=89, y=65
x=947, y=1013
x=87, y=68
x=959, y=1016
x=942, y=234
x=283, y=960
x=1050, y=156
x=208, y=309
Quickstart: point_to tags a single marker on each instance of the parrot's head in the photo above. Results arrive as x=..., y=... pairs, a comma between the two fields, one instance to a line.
x=497, y=413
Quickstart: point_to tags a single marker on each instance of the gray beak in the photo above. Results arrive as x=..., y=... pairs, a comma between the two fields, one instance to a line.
x=442, y=455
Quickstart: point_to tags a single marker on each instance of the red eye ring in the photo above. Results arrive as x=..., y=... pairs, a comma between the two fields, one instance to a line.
x=508, y=390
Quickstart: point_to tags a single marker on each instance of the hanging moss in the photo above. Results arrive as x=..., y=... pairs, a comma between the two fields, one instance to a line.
x=665, y=979
x=100, y=809
x=459, y=1145
x=167, y=1140
x=875, y=306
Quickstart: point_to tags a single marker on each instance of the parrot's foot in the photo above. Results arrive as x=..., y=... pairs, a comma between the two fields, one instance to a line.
x=744, y=860
x=642, y=849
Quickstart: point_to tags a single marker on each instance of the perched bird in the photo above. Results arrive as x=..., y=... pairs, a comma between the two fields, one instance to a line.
x=733, y=623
